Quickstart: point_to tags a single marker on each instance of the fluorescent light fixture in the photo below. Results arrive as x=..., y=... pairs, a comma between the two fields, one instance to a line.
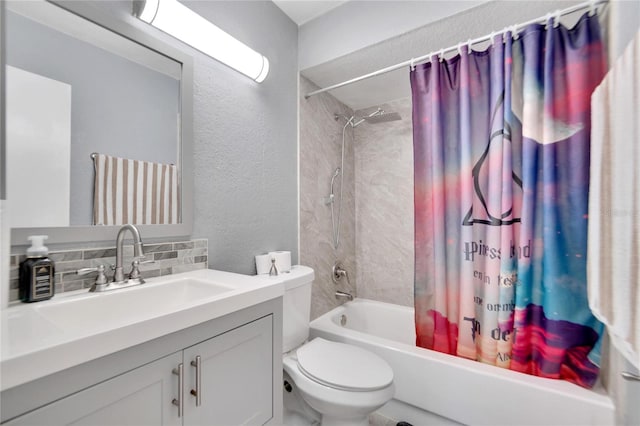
x=184, y=24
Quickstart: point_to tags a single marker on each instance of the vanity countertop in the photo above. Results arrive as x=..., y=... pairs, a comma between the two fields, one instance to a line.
x=42, y=338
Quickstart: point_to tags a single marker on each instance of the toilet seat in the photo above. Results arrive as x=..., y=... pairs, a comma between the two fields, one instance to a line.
x=344, y=367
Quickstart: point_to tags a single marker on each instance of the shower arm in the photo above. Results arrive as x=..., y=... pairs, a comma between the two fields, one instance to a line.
x=349, y=121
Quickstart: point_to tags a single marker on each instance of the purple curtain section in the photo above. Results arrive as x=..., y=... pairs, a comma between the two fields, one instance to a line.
x=501, y=163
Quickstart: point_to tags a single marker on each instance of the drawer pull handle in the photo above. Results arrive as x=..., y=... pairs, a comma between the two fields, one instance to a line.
x=180, y=401
x=197, y=392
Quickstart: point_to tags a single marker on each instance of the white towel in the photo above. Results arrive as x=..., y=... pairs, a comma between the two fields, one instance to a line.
x=134, y=191
x=614, y=203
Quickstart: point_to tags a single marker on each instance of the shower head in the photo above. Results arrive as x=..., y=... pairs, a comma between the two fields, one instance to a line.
x=333, y=179
x=378, y=116
x=383, y=117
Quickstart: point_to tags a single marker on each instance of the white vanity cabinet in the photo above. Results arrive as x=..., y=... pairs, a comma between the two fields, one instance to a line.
x=140, y=397
x=235, y=378
x=231, y=378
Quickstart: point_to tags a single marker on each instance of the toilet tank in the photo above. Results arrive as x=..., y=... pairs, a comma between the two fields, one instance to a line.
x=296, y=306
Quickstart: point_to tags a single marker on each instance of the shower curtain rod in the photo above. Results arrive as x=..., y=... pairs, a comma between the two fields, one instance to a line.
x=513, y=29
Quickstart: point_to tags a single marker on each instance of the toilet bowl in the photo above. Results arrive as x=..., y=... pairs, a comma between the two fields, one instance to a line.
x=343, y=383
x=334, y=383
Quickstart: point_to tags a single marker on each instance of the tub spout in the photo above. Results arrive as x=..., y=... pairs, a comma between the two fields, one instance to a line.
x=343, y=294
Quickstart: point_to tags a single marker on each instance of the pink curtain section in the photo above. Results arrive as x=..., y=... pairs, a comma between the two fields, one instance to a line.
x=501, y=160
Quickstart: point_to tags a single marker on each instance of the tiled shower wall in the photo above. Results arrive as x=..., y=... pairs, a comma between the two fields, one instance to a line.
x=384, y=207
x=320, y=147
x=164, y=258
x=376, y=245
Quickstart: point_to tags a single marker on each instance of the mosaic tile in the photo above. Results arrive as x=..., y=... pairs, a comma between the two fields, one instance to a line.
x=62, y=256
x=184, y=245
x=99, y=253
x=165, y=255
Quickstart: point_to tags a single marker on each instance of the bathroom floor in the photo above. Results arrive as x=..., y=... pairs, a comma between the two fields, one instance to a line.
x=376, y=419
x=290, y=418
x=294, y=419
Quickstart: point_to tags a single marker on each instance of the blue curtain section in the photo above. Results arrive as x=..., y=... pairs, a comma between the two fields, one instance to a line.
x=501, y=163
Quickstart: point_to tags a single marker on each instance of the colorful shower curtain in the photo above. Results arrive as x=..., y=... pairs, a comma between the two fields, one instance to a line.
x=501, y=157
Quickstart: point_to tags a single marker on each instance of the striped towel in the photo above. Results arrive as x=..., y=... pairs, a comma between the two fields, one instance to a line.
x=134, y=191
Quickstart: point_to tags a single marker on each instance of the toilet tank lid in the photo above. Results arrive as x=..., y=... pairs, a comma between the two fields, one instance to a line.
x=298, y=276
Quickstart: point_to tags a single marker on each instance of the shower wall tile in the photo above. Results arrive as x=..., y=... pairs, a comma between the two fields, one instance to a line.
x=384, y=207
x=320, y=155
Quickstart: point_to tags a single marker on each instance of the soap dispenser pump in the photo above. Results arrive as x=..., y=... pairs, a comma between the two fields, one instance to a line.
x=37, y=272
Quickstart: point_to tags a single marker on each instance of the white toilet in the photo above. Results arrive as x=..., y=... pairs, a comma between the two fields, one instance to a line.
x=333, y=383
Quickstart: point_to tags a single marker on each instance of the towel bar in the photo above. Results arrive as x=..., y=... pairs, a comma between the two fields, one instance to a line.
x=630, y=376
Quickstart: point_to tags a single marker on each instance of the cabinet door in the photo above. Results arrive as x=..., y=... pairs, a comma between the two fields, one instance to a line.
x=237, y=377
x=140, y=397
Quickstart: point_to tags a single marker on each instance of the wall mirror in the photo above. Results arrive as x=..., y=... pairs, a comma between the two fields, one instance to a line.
x=98, y=125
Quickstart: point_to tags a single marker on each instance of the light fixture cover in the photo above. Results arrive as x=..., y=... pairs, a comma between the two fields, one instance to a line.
x=184, y=24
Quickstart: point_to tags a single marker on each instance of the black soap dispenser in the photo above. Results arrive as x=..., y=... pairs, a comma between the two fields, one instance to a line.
x=37, y=272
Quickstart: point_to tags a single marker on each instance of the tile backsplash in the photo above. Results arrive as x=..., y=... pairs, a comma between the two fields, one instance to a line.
x=164, y=258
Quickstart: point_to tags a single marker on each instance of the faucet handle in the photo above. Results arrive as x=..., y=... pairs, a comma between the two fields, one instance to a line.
x=101, y=279
x=338, y=272
x=135, y=269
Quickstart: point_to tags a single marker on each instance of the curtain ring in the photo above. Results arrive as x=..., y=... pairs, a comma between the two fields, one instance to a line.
x=592, y=7
x=469, y=50
x=441, y=55
x=547, y=20
x=413, y=64
x=556, y=18
x=492, y=35
x=514, y=32
x=460, y=48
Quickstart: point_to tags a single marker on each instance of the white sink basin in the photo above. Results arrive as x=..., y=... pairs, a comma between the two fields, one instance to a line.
x=38, y=339
x=116, y=307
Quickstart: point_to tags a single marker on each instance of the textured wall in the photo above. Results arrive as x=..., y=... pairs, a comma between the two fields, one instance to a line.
x=246, y=140
x=384, y=207
x=320, y=148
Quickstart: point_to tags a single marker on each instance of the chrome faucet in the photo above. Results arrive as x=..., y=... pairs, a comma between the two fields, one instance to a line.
x=138, y=251
x=102, y=283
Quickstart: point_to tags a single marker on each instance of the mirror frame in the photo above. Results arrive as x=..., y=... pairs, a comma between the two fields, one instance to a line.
x=143, y=34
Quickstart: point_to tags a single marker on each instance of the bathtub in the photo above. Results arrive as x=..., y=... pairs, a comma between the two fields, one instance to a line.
x=434, y=388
